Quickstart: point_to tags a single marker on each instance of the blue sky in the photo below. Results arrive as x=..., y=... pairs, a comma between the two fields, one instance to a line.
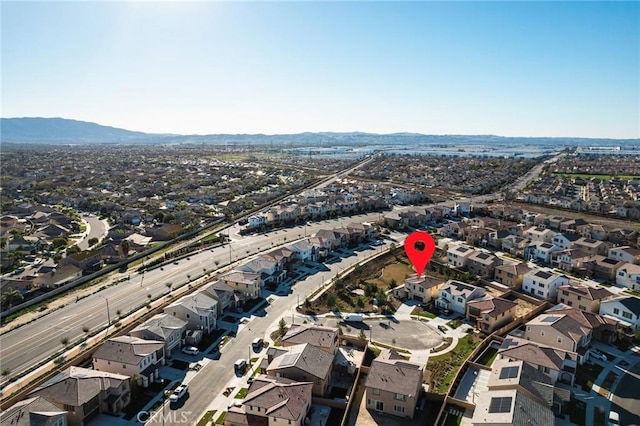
x=505, y=68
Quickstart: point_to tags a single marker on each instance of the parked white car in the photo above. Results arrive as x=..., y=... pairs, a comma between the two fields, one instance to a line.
x=190, y=350
x=178, y=393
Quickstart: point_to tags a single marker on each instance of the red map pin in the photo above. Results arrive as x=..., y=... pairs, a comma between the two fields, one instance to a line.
x=419, y=247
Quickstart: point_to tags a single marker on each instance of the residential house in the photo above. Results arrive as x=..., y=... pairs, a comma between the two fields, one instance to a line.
x=247, y=284
x=423, y=288
x=87, y=260
x=515, y=245
x=603, y=267
x=34, y=411
x=483, y=264
x=625, y=254
x=538, y=234
x=85, y=393
x=565, y=240
x=571, y=260
x=396, y=221
x=595, y=232
x=511, y=274
x=583, y=297
x=491, y=313
x=624, y=309
x=628, y=276
x=510, y=407
x=517, y=374
x=602, y=329
x=303, y=251
x=558, y=364
x=454, y=295
x=543, y=284
x=458, y=255
x=131, y=356
x=453, y=229
x=270, y=402
x=56, y=276
x=329, y=235
x=224, y=294
x=164, y=328
x=198, y=310
x=393, y=385
x=283, y=256
x=325, y=338
x=591, y=246
x=270, y=273
x=541, y=252
x=559, y=330
x=304, y=363
x=165, y=232
x=495, y=238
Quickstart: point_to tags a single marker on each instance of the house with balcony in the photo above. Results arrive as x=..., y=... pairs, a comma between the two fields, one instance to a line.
x=303, y=251
x=458, y=255
x=511, y=274
x=543, y=284
x=558, y=364
x=83, y=394
x=491, y=313
x=393, y=385
x=571, y=260
x=247, y=285
x=603, y=267
x=198, y=310
x=483, y=264
x=624, y=309
x=541, y=252
x=164, y=328
x=625, y=254
x=423, y=288
x=455, y=295
x=583, y=297
x=628, y=275
x=271, y=401
x=515, y=245
x=132, y=357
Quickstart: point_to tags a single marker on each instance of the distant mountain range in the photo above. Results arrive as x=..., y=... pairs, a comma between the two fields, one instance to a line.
x=61, y=130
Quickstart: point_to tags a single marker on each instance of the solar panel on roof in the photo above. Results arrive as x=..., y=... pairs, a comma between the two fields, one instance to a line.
x=543, y=274
x=500, y=404
x=509, y=372
x=549, y=319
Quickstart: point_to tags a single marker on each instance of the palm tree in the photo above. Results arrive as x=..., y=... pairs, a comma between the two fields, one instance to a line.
x=9, y=297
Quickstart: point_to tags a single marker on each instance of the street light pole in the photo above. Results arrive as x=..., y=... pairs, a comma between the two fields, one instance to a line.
x=108, y=314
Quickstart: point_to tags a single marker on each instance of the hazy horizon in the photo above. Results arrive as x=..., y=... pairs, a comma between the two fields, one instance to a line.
x=512, y=69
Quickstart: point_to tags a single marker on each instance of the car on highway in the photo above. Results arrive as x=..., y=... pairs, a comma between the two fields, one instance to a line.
x=178, y=393
x=597, y=354
x=614, y=419
x=190, y=350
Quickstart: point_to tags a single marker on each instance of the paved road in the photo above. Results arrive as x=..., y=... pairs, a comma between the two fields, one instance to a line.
x=39, y=339
x=627, y=395
x=96, y=228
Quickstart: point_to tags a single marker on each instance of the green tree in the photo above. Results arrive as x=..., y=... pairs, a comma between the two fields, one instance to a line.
x=59, y=243
x=10, y=298
x=331, y=301
x=362, y=335
x=282, y=327
x=124, y=246
x=93, y=241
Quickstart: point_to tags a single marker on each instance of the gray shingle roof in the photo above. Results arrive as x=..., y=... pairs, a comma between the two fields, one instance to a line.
x=394, y=375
